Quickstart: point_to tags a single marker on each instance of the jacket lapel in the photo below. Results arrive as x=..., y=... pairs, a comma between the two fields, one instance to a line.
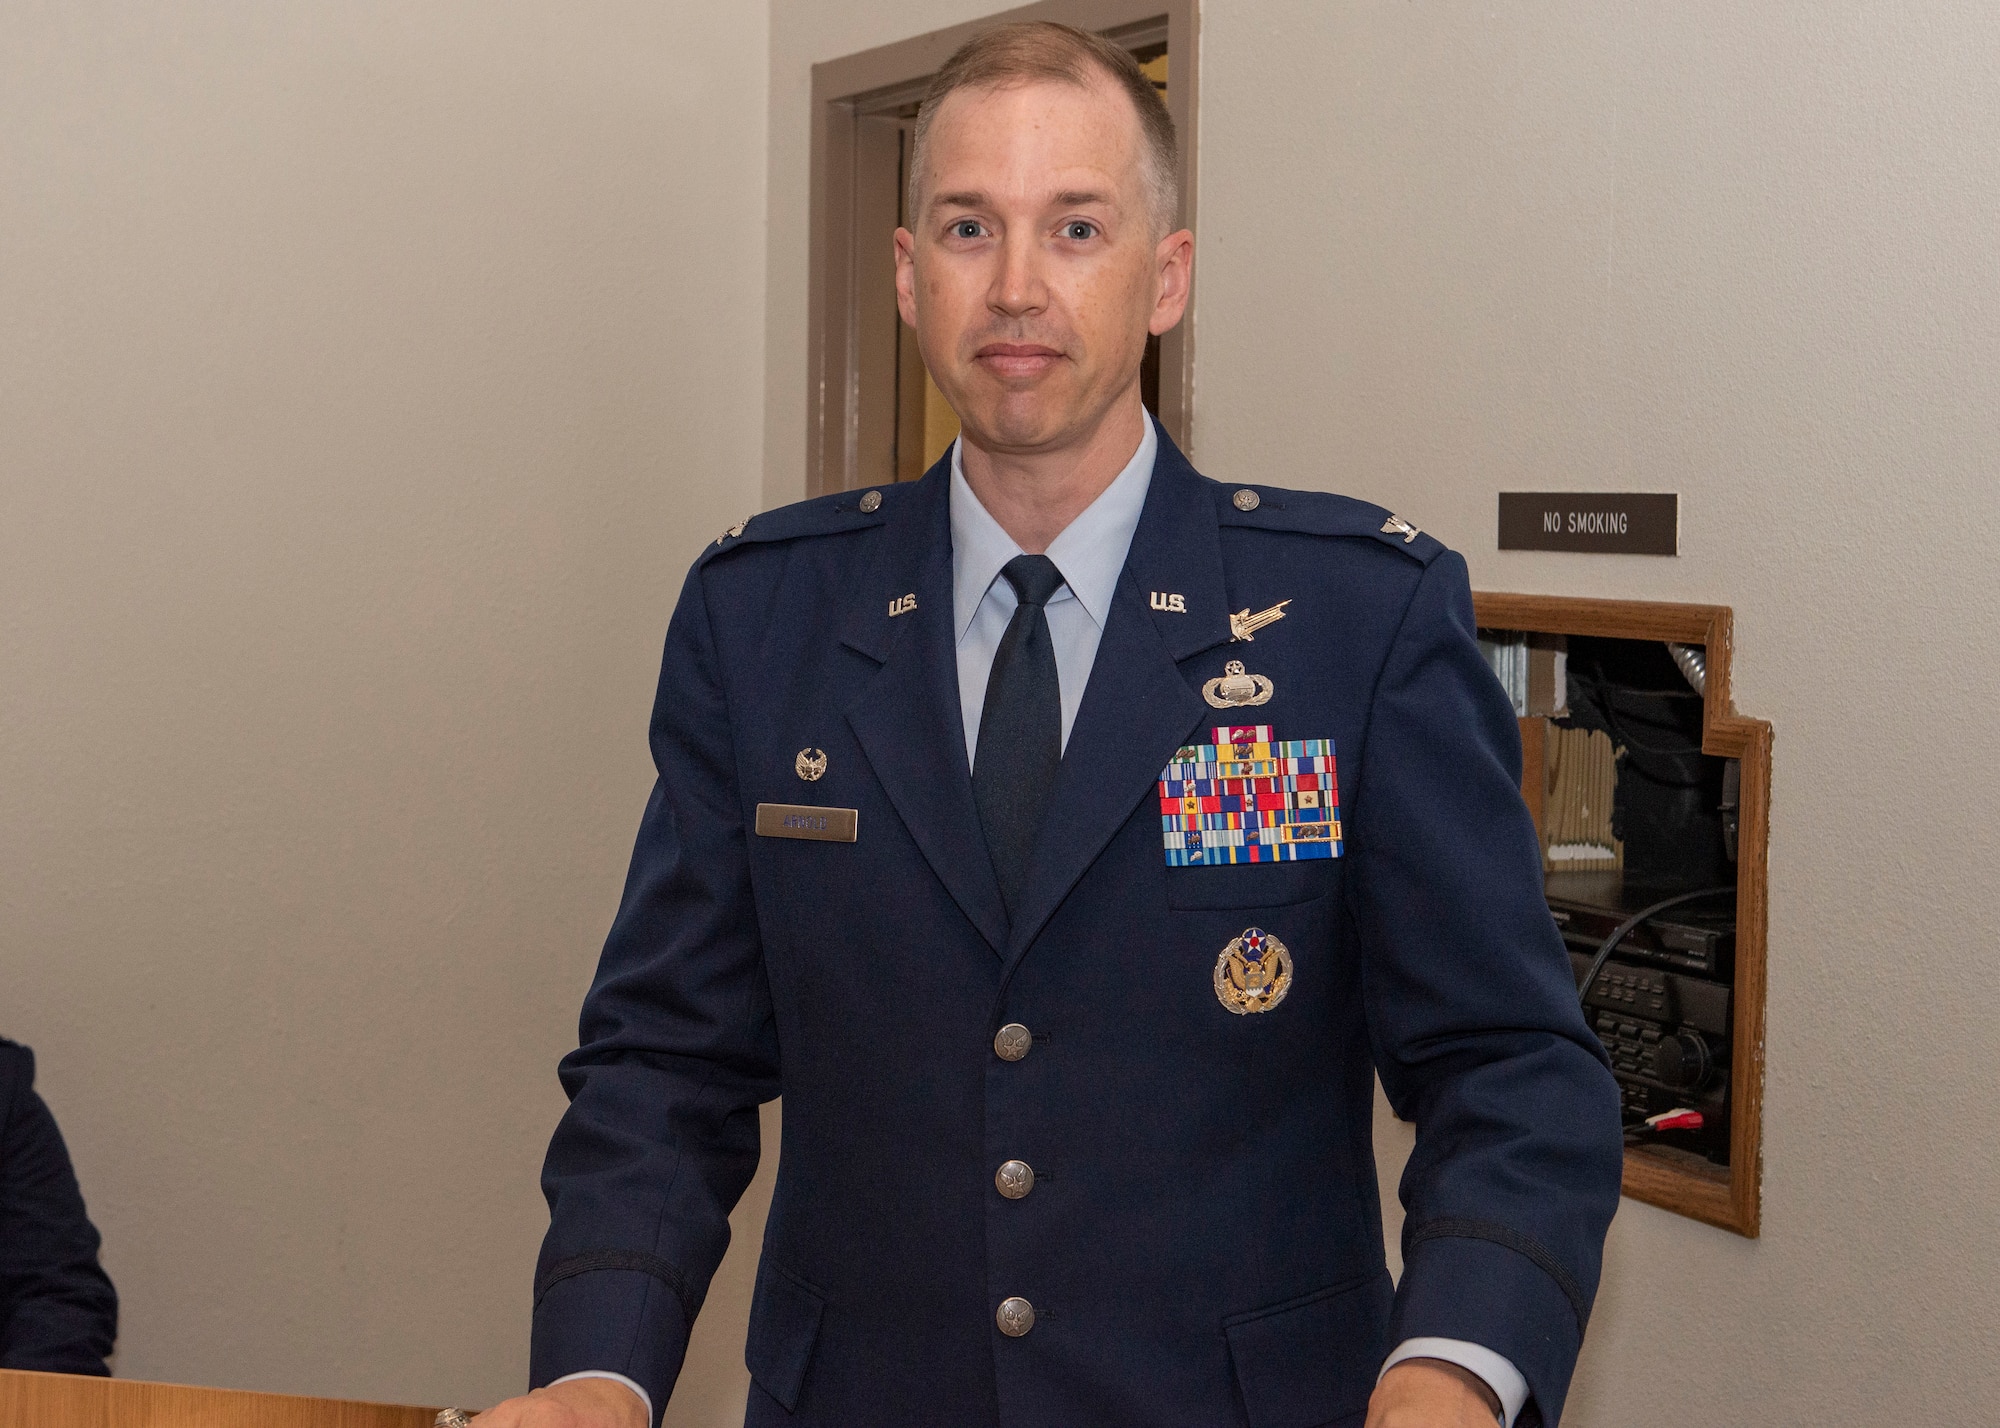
x=907, y=717
x=1138, y=707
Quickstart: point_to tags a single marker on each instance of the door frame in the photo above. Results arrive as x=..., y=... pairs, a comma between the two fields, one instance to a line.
x=843, y=282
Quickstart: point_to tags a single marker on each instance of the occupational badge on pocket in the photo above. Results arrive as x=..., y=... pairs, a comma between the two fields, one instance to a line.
x=1253, y=973
x=1249, y=798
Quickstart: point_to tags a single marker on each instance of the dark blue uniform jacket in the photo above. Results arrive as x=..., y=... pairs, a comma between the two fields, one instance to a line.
x=1203, y=1243
x=58, y=1312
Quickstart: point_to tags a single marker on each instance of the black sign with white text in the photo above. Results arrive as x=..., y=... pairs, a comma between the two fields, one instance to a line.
x=1606, y=522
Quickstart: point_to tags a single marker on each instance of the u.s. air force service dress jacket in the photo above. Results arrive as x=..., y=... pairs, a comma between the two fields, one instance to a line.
x=1201, y=1243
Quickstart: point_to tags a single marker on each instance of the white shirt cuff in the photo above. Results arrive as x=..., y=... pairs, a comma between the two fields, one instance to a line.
x=1498, y=1373
x=647, y=1398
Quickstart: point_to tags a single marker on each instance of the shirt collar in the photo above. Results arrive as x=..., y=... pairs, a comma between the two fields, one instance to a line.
x=1090, y=551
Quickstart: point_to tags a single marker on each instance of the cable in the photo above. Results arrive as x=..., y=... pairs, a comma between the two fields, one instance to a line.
x=1693, y=663
x=1624, y=929
x=1681, y=1118
x=1604, y=695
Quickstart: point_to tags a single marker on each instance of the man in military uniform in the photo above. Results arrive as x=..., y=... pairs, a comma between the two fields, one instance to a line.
x=1071, y=840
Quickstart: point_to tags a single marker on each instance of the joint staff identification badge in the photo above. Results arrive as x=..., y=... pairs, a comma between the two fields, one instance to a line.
x=1247, y=798
x=1253, y=973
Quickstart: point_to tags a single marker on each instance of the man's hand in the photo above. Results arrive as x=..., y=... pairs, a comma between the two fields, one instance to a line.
x=1430, y=1393
x=580, y=1403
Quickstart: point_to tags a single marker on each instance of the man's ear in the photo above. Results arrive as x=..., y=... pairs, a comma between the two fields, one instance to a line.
x=1173, y=259
x=906, y=276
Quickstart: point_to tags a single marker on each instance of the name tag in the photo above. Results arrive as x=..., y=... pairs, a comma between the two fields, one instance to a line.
x=803, y=820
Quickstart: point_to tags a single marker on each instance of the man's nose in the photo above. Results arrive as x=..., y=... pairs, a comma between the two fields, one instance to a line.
x=1018, y=287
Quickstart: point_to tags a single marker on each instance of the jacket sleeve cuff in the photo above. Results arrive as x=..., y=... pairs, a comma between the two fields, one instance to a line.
x=1489, y=1368
x=1500, y=1296
x=619, y=1323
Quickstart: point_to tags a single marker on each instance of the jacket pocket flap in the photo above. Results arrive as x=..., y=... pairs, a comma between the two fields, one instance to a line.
x=784, y=1325
x=1312, y=1361
x=1249, y=885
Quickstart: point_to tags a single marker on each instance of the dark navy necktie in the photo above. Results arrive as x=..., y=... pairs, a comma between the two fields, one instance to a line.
x=1020, y=728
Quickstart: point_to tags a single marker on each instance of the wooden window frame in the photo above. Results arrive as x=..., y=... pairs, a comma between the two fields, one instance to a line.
x=841, y=287
x=1730, y=1199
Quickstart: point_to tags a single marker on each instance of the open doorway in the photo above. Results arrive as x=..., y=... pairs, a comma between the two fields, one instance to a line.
x=875, y=415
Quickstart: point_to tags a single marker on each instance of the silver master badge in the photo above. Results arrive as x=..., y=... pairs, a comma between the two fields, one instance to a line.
x=1235, y=689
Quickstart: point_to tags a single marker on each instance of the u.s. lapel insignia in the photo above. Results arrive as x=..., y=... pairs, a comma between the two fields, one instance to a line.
x=1234, y=689
x=810, y=764
x=1168, y=601
x=1253, y=973
x=902, y=604
x=1250, y=797
x=1396, y=525
x=1243, y=625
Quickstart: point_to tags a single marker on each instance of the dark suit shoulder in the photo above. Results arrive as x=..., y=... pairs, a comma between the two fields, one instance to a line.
x=17, y=1079
x=1322, y=513
x=17, y=1069
x=841, y=513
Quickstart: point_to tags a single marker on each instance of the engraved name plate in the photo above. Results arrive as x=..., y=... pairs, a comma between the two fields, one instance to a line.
x=804, y=820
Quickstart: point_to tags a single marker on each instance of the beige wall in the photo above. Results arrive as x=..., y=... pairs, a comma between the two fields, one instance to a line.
x=356, y=425
x=369, y=373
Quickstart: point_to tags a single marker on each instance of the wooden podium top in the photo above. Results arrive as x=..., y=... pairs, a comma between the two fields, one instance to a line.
x=60, y=1400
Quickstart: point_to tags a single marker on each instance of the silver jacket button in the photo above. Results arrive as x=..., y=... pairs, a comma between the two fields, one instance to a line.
x=1014, y=1179
x=1015, y=1317
x=1011, y=1042
x=1246, y=499
x=871, y=503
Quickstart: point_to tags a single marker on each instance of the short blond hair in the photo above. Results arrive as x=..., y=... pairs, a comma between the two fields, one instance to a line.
x=1026, y=51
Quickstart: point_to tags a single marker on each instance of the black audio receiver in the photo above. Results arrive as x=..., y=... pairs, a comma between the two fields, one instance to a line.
x=1661, y=1003
x=1667, y=1035
x=1589, y=906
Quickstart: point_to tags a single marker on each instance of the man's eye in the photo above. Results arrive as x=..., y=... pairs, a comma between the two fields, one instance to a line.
x=1076, y=230
x=965, y=228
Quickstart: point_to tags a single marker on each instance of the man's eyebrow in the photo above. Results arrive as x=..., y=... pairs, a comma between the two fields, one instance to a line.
x=1068, y=198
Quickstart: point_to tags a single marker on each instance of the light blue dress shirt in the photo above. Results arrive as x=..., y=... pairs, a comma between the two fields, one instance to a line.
x=1090, y=553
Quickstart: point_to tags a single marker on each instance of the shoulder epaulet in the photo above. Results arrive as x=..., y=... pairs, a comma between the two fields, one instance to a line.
x=1273, y=508
x=823, y=515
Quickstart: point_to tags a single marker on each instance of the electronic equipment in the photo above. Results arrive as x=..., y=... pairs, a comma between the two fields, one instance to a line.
x=1660, y=1004
x=1668, y=1039
x=1588, y=907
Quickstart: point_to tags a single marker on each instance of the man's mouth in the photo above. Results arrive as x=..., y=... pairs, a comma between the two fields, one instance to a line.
x=1017, y=359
